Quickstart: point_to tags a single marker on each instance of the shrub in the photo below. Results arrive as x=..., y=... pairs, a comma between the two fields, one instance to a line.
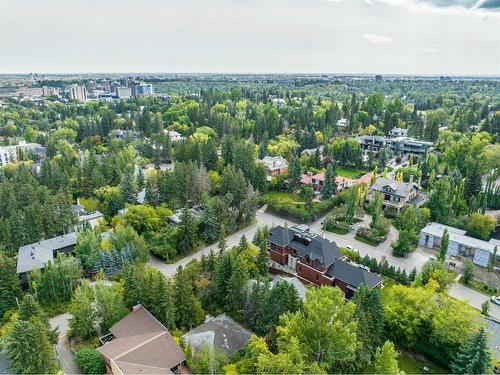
x=370, y=236
x=90, y=360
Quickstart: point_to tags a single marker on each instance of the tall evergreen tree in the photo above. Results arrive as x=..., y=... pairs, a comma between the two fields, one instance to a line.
x=10, y=289
x=29, y=348
x=187, y=238
x=294, y=174
x=189, y=311
x=474, y=356
x=128, y=189
x=263, y=259
x=330, y=186
x=473, y=181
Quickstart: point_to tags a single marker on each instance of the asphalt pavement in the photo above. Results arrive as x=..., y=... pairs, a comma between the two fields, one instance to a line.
x=65, y=356
x=475, y=299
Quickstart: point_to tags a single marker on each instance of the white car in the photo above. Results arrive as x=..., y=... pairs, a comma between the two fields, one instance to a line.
x=495, y=300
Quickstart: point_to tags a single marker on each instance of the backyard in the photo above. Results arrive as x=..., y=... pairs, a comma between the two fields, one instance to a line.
x=349, y=172
x=412, y=364
x=293, y=206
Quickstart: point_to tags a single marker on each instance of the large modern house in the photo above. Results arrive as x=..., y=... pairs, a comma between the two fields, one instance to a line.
x=401, y=144
x=397, y=194
x=314, y=259
x=37, y=254
x=140, y=344
x=459, y=244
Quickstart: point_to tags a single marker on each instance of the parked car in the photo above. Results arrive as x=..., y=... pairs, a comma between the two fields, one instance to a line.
x=432, y=258
x=496, y=300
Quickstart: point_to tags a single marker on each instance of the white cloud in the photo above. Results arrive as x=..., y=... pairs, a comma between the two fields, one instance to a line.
x=378, y=38
x=416, y=49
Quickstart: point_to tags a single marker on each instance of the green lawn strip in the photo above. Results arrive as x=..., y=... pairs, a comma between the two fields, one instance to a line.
x=411, y=364
x=350, y=172
x=367, y=241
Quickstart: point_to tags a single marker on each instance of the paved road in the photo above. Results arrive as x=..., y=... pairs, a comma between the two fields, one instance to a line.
x=475, y=299
x=64, y=354
x=262, y=218
x=415, y=260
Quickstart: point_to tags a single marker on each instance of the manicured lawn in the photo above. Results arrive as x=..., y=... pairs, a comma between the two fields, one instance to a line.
x=350, y=172
x=412, y=364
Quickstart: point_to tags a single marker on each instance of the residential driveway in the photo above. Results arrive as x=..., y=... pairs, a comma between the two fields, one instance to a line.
x=64, y=354
x=262, y=218
x=475, y=299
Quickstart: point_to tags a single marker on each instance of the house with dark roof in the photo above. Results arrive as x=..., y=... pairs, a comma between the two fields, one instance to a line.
x=140, y=344
x=221, y=332
x=316, y=260
x=397, y=194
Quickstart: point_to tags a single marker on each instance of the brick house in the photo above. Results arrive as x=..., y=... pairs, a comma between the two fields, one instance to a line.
x=316, y=260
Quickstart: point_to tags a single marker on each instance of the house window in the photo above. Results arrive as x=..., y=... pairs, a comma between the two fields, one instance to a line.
x=300, y=268
x=387, y=197
x=317, y=277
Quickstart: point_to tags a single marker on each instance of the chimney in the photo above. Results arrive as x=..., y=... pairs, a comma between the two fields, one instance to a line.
x=136, y=307
x=78, y=201
x=411, y=178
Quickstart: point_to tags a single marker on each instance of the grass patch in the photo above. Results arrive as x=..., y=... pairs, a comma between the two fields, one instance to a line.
x=337, y=230
x=411, y=364
x=367, y=241
x=293, y=207
x=481, y=287
x=350, y=172
x=56, y=308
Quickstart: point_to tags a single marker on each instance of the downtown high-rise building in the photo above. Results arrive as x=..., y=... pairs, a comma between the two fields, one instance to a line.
x=78, y=92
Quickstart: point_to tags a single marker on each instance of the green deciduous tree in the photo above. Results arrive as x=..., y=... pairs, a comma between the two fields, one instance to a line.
x=386, y=360
x=90, y=360
x=443, y=247
x=83, y=315
x=481, y=226
x=332, y=345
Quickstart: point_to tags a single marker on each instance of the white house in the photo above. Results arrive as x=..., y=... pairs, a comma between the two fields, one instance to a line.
x=398, y=132
x=343, y=123
x=174, y=136
x=459, y=243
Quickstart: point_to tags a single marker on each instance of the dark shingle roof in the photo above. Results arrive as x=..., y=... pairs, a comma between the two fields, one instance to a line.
x=352, y=274
x=306, y=244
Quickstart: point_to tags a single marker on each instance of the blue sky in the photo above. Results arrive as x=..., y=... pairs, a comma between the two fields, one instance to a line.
x=337, y=36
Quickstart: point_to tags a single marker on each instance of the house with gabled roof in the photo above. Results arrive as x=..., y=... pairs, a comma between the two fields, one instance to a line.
x=139, y=343
x=316, y=260
x=275, y=165
x=397, y=194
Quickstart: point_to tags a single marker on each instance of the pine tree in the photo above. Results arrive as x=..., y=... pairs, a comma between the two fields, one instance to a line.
x=243, y=245
x=187, y=233
x=189, y=312
x=222, y=241
x=263, y=259
x=491, y=261
x=474, y=356
x=294, y=174
x=29, y=348
x=473, y=181
x=140, y=179
x=443, y=248
x=128, y=189
x=330, y=186
x=163, y=307
x=10, y=289
x=412, y=275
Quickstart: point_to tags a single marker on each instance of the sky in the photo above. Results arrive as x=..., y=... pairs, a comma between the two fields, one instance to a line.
x=435, y=37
